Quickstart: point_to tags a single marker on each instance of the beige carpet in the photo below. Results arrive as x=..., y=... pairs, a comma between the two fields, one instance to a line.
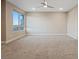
x=41, y=47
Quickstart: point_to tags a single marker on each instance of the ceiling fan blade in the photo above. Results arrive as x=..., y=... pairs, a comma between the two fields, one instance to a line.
x=43, y=3
x=50, y=6
x=39, y=7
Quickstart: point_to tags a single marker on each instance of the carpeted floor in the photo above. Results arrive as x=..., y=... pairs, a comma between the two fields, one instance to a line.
x=41, y=47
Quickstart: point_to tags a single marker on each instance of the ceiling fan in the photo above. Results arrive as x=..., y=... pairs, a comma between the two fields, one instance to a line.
x=45, y=5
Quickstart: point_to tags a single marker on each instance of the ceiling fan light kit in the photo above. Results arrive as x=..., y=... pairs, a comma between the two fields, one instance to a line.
x=45, y=6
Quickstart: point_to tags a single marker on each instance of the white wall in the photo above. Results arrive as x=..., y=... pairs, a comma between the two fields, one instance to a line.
x=46, y=23
x=72, y=22
x=10, y=34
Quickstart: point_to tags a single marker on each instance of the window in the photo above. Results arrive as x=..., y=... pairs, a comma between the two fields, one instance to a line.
x=21, y=22
x=18, y=21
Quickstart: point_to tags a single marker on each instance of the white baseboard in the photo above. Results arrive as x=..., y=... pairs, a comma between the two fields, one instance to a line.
x=15, y=38
x=71, y=35
x=43, y=34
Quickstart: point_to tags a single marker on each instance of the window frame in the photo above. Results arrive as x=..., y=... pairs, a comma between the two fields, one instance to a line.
x=18, y=21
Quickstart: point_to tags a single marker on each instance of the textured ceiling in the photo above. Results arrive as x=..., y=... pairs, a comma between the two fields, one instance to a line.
x=27, y=5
